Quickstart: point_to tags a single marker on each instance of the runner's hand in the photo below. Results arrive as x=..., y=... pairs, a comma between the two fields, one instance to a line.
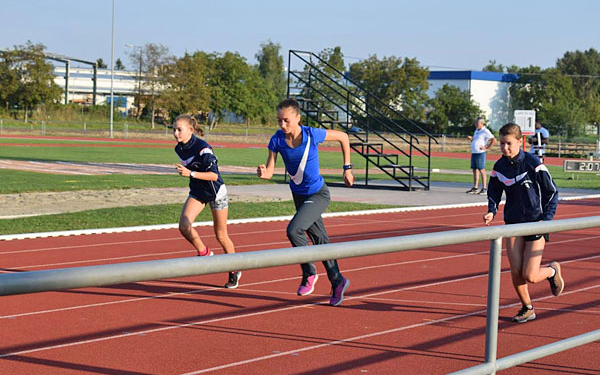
x=261, y=171
x=183, y=171
x=487, y=218
x=348, y=177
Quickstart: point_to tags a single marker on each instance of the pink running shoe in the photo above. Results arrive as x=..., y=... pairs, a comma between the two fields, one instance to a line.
x=307, y=286
x=205, y=253
x=337, y=295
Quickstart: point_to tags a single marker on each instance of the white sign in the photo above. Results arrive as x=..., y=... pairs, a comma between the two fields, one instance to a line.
x=526, y=120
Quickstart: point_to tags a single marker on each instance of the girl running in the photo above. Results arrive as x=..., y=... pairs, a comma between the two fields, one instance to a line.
x=531, y=196
x=298, y=146
x=199, y=164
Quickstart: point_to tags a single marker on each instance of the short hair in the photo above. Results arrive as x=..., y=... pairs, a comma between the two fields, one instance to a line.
x=511, y=129
x=289, y=103
x=479, y=119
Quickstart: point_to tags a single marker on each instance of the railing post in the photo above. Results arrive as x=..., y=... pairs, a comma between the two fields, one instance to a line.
x=443, y=143
x=493, y=302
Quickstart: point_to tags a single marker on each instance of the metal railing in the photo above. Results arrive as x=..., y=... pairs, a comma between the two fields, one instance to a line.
x=79, y=277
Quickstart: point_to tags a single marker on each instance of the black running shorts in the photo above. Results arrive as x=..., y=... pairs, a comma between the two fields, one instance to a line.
x=535, y=237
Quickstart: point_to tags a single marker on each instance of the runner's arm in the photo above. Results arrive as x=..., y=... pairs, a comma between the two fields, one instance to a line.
x=342, y=138
x=266, y=171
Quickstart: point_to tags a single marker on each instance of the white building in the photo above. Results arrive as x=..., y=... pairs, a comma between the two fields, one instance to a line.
x=81, y=86
x=488, y=89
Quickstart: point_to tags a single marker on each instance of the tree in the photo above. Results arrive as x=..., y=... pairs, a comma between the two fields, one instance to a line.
x=585, y=67
x=154, y=61
x=100, y=63
x=119, y=65
x=452, y=111
x=150, y=60
x=551, y=94
x=492, y=66
x=270, y=68
x=399, y=84
x=186, y=85
x=237, y=88
x=27, y=79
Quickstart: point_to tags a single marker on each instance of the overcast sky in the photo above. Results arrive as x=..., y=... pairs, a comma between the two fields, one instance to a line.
x=440, y=34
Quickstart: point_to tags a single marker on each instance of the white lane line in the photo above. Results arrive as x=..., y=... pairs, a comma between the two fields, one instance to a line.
x=257, y=220
x=242, y=288
x=245, y=233
x=129, y=334
x=355, y=338
x=145, y=332
x=159, y=283
x=278, y=243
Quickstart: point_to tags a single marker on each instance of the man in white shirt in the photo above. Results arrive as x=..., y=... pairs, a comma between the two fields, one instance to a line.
x=481, y=141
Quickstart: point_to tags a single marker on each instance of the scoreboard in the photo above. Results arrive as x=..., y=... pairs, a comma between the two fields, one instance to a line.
x=581, y=166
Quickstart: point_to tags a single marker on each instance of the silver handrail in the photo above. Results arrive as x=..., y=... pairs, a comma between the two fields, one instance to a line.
x=111, y=274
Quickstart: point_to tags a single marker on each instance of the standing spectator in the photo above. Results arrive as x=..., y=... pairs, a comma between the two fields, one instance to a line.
x=539, y=140
x=481, y=141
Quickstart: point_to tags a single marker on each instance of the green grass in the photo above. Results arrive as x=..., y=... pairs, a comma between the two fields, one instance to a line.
x=561, y=178
x=82, y=143
x=153, y=215
x=14, y=182
x=248, y=157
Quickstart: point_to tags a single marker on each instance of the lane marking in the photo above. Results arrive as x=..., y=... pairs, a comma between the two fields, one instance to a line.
x=217, y=288
x=355, y=338
x=256, y=220
x=243, y=287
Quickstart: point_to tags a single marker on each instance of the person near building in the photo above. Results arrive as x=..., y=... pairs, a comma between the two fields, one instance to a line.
x=481, y=141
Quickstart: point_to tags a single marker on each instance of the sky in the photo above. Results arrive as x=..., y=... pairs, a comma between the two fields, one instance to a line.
x=441, y=35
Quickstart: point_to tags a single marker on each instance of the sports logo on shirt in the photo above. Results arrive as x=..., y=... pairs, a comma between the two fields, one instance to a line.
x=299, y=175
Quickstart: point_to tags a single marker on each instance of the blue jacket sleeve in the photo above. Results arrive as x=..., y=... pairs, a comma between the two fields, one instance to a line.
x=495, y=189
x=548, y=192
x=208, y=161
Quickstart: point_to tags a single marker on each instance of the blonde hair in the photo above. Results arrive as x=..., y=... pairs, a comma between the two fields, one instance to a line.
x=191, y=121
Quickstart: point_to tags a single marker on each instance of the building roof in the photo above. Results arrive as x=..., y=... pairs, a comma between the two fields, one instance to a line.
x=472, y=75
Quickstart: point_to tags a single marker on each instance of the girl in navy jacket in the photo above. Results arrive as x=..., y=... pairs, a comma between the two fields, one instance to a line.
x=199, y=164
x=531, y=196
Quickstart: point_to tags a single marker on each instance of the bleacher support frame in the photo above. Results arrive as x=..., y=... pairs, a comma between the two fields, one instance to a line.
x=329, y=99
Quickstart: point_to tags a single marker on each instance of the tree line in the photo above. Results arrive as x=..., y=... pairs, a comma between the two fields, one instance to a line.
x=214, y=85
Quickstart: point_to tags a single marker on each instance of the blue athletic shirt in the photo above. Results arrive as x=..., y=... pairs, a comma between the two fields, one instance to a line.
x=302, y=162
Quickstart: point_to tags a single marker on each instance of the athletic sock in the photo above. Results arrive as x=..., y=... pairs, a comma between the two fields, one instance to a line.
x=553, y=273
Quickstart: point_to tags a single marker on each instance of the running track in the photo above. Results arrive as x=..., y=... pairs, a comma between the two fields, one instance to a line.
x=416, y=312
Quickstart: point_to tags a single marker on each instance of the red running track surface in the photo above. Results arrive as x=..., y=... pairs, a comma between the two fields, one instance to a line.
x=415, y=312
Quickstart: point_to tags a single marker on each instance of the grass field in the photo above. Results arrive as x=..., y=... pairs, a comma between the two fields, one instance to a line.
x=247, y=157
x=153, y=215
x=14, y=181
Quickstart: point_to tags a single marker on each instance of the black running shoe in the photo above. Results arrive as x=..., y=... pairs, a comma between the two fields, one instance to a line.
x=234, y=279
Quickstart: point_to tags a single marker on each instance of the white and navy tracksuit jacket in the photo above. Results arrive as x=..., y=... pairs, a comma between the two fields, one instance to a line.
x=531, y=194
x=197, y=155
